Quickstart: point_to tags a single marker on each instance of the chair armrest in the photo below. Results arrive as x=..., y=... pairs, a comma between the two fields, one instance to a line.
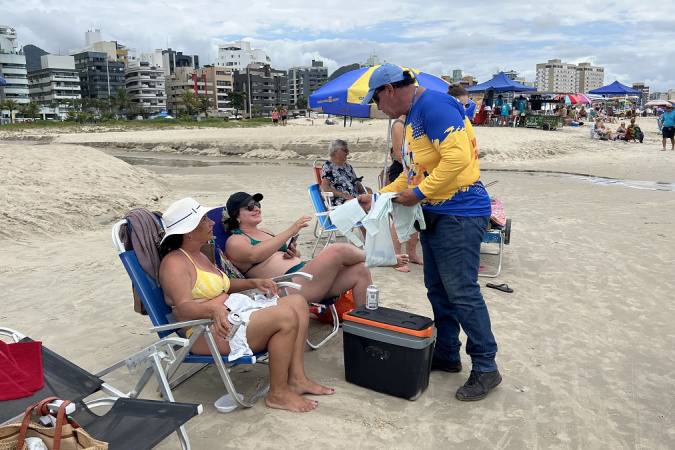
x=176, y=325
x=290, y=276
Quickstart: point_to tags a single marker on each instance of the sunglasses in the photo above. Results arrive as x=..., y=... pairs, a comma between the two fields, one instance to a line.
x=467, y=106
x=376, y=95
x=252, y=205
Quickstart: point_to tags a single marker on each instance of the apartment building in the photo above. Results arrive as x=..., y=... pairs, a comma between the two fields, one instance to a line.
x=264, y=86
x=55, y=85
x=145, y=84
x=220, y=81
x=93, y=42
x=238, y=55
x=557, y=76
x=589, y=77
x=645, y=93
x=305, y=80
x=100, y=77
x=172, y=60
x=12, y=67
x=184, y=79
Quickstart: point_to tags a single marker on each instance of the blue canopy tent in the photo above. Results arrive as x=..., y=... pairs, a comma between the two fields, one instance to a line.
x=616, y=88
x=2, y=81
x=500, y=83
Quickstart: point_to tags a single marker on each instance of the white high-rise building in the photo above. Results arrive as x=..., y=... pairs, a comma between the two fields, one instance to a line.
x=55, y=85
x=557, y=76
x=12, y=68
x=145, y=84
x=238, y=55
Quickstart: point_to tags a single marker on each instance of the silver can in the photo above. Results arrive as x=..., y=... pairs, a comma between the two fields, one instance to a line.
x=372, y=297
x=235, y=319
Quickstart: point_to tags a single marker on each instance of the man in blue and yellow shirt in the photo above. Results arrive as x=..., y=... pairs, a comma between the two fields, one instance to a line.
x=441, y=172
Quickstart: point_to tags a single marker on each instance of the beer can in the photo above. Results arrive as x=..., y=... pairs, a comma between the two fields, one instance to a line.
x=235, y=320
x=372, y=297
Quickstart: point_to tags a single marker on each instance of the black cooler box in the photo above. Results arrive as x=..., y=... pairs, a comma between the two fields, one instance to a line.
x=388, y=350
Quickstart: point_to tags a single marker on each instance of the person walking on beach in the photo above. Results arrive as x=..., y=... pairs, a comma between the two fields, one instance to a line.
x=284, y=116
x=275, y=117
x=441, y=172
x=668, y=130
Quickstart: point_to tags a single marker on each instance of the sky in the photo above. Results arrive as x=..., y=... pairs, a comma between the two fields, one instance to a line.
x=632, y=40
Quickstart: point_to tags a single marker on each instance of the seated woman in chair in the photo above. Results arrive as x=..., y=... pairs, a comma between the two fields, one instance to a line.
x=338, y=176
x=257, y=252
x=196, y=289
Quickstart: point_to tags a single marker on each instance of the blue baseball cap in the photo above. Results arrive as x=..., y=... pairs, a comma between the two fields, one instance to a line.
x=385, y=74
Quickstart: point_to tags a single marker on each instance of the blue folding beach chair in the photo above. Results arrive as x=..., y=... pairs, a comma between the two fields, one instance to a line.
x=174, y=349
x=220, y=235
x=499, y=236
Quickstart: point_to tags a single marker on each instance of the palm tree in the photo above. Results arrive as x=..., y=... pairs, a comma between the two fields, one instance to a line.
x=237, y=100
x=12, y=105
x=122, y=101
x=32, y=109
x=204, y=104
x=188, y=101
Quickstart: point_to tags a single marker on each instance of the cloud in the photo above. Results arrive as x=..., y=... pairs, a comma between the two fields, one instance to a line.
x=625, y=37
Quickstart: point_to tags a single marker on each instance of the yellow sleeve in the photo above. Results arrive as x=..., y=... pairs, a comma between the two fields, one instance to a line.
x=397, y=185
x=455, y=151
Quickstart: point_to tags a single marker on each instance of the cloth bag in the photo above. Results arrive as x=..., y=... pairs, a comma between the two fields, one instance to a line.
x=65, y=435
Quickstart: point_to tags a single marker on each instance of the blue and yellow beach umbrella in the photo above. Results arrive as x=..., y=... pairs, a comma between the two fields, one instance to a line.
x=343, y=95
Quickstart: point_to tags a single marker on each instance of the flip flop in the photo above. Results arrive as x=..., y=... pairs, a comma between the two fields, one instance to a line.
x=502, y=287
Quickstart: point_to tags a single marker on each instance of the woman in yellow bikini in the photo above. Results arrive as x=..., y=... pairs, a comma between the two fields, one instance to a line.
x=196, y=289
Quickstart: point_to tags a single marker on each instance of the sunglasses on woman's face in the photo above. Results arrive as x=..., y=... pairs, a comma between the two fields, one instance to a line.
x=252, y=205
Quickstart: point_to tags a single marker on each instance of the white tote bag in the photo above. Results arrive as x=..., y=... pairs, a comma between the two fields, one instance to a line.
x=379, y=247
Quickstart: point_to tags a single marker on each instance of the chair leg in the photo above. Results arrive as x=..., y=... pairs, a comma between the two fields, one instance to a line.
x=225, y=375
x=336, y=327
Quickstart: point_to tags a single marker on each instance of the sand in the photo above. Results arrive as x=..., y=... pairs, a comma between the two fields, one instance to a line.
x=585, y=340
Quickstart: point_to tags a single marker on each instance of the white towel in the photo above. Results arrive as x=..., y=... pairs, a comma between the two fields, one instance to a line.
x=245, y=306
x=345, y=217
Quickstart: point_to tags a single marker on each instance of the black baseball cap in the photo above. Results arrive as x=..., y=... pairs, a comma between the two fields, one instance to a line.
x=239, y=199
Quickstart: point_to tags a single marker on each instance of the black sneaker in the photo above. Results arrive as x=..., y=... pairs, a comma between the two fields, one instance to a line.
x=446, y=366
x=478, y=385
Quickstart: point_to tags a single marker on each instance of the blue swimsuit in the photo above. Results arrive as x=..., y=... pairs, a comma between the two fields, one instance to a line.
x=283, y=249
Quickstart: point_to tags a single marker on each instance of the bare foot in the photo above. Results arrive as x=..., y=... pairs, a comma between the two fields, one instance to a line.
x=308, y=386
x=401, y=260
x=404, y=269
x=289, y=400
x=416, y=260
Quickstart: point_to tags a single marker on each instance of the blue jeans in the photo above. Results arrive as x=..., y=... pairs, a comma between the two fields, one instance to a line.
x=451, y=247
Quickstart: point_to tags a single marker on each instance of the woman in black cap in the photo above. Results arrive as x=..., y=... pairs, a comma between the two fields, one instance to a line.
x=259, y=253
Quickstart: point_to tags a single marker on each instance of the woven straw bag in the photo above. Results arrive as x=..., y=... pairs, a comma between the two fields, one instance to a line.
x=65, y=435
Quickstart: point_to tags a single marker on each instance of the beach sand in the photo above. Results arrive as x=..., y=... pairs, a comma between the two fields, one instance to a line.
x=585, y=340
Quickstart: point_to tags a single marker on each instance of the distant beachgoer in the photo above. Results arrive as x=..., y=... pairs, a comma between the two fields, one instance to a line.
x=668, y=130
x=621, y=131
x=275, y=117
x=602, y=131
x=634, y=132
x=498, y=104
x=284, y=115
x=521, y=106
x=504, y=114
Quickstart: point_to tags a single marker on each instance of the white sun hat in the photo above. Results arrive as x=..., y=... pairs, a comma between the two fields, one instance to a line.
x=182, y=216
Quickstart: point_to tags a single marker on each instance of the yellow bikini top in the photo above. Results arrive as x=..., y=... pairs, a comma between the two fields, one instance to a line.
x=208, y=285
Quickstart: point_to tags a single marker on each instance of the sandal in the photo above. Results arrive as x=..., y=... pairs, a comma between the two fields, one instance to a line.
x=502, y=287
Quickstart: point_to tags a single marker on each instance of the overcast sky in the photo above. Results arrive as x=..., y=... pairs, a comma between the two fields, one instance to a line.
x=632, y=40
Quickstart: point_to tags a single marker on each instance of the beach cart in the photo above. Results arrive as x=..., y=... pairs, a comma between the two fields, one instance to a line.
x=543, y=121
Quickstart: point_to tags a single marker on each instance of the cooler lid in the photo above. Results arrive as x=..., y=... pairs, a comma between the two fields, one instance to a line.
x=392, y=319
